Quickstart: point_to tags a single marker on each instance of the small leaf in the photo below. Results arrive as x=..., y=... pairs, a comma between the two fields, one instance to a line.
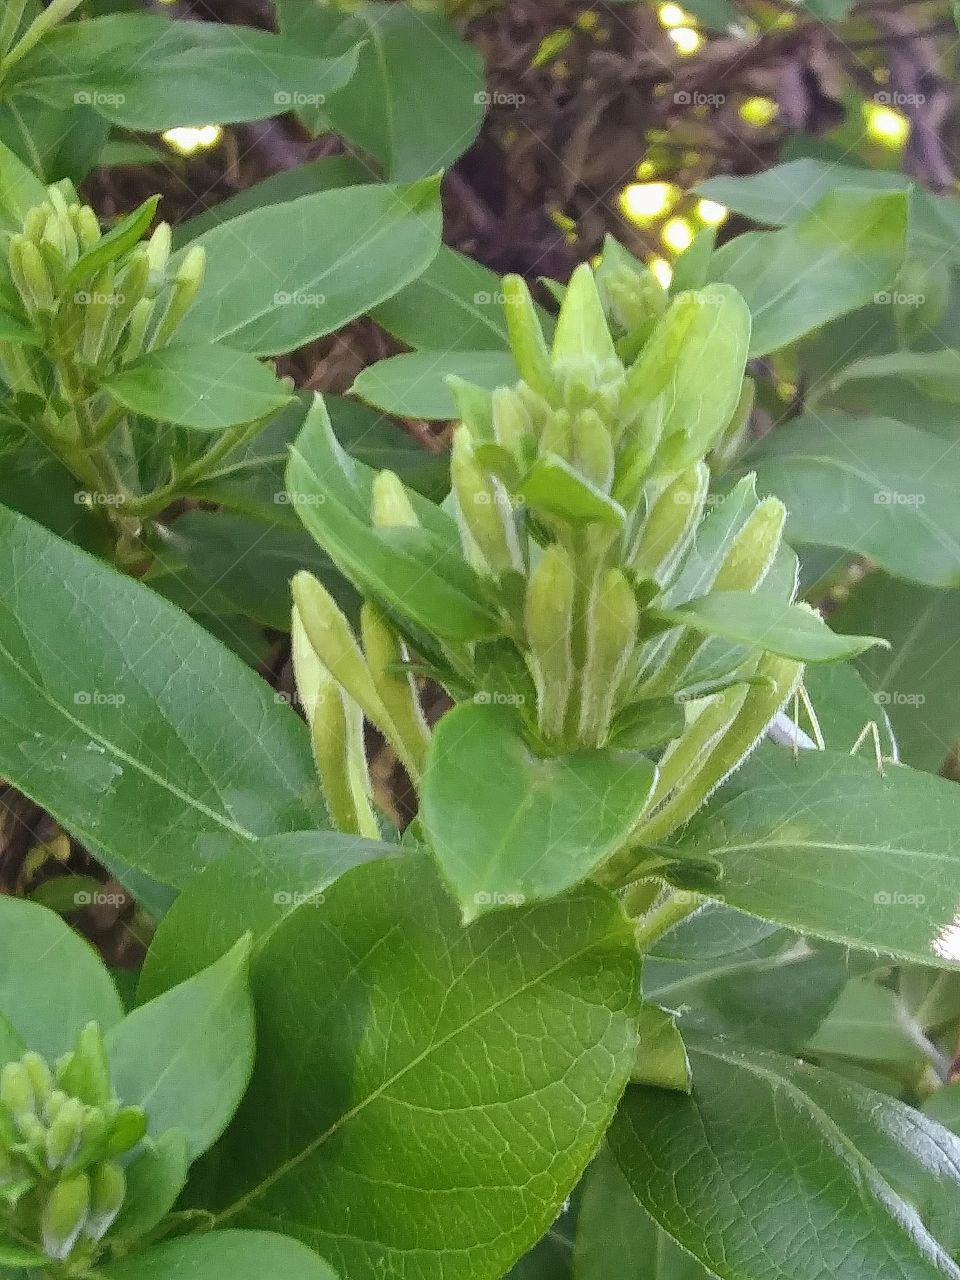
x=507, y=827
x=415, y=385
x=155, y=1178
x=207, y=388
x=186, y=1056
x=241, y=1255
x=789, y=630
x=553, y=485
x=661, y=1054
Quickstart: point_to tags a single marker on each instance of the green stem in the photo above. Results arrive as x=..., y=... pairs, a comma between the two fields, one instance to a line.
x=56, y=12
x=674, y=908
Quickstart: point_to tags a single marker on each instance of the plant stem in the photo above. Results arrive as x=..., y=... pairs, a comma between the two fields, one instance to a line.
x=56, y=12
x=674, y=908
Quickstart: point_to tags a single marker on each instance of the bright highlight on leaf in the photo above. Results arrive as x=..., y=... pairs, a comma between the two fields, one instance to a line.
x=644, y=201
x=759, y=111
x=188, y=140
x=887, y=126
x=712, y=213
x=677, y=234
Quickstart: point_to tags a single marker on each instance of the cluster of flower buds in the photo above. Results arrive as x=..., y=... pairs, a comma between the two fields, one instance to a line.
x=95, y=300
x=581, y=497
x=62, y=1132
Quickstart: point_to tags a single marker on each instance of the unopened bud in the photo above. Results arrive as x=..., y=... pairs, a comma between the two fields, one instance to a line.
x=671, y=525
x=137, y=329
x=64, y=1215
x=87, y=1076
x=484, y=507
x=128, y=1128
x=612, y=620
x=108, y=1186
x=592, y=448
x=16, y=1090
x=386, y=656
x=130, y=288
x=97, y=314
x=548, y=621
x=87, y=227
x=63, y=1135
x=754, y=549
x=30, y=275
x=186, y=286
x=512, y=426
x=158, y=248
x=40, y=1075
x=527, y=340
x=391, y=505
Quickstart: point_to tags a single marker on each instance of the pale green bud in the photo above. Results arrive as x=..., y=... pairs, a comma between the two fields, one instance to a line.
x=612, y=620
x=63, y=1135
x=137, y=329
x=386, y=656
x=555, y=435
x=64, y=1215
x=754, y=549
x=548, y=623
x=87, y=227
x=87, y=1075
x=30, y=275
x=35, y=221
x=186, y=286
x=592, y=449
x=337, y=740
x=526, y=339
x=128, y=1127
x=130, y=288
x=108, y=1186
x=16, y=1090
x=98, y=304
x=484, y=507
x=158, y=249
x=670, y=527
x=40, y=1075
x=391, y=505
x=512, y=425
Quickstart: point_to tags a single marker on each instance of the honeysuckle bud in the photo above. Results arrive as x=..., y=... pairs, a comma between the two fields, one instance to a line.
x=671, y=525
x=186, y=286
x=130, y=287
x=513, y=426
x=87, y=227
x=87, y=1074
x=334, y=643
x=548, y=624
x=64, y=1215
x=337, y=740
x=592, y=449
x=387, y=657
x=16, y=1090
x=34, y=222
x=29, y=274
x=41, y=1077
x=753, y=550
x=108, y=1186
x=526, y=339
x=158, y=248
x=137, y=329
x=98, y=308
x=128, y=1127
x=612, y=618
x=63, y=1135
x=555, y=434
x=483, y=505
x=391, y=507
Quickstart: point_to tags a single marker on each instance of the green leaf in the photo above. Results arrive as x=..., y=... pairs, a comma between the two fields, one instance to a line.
x=507, y=827
x=207, y=388
x=869, y=1023
x=242, y=1255
x=836, y=258
x=757, y=620
x=311, y=265
x=661, y=1054
x=456, y=305
x=868, y=485
x=402, y=1005
x=117, y=241
x=20, y=191
x=414, y=385
x=616, y=1237
x=244, y=892
x=844, y=705
x=418, y=571
x=186, y=1056
x=553, y=485
x=155, y=1178
x=150, y=73
x=148, y=715
x=52, y=982
x=307, y=179
x=417, y=100
x=774, y=1168
x=827, y=845
x=915, y=683
x=16, y=331
x=20, y=1258
x=944, y=1106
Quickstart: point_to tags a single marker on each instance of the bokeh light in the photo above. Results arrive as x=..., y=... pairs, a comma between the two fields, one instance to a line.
x=188, y=140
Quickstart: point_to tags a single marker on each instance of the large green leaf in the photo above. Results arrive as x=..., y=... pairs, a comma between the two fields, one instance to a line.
x=417, y=100
x=244, y=893
x=869, y=485
x=756, y=620
x=434, y=1092
x=186, y=1056
x=414, y=385
x=827, y=845
x=507, y=827
x=617, y=1237
x=136, y=729
x=20, y=191
x=311, y=265
x=207, y=388
x=419, y=571
x=52, y=982
x=772, y=1168
x=911, y=386
x=150, y=73
x=834, y=259
x=915, y=682
x=241, y=1255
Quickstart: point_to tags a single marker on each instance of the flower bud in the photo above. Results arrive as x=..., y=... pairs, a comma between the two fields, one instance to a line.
x=97, y=313
x=63, y=1135
x=87, y=1075
x=137, y=329
x=16, y=1090
x=548, y=621
x=64, y=1215
x=484, y=508
x=129, y=1127
x=754, y=548
x=592, y=449
x=108, y=1186
x=670, y=527
x=158, y=249
x=87, y=227
x=391, y=505
x=386, y=656
x=30, y=276
x=526, y=339
x=186, y=286
x=612, y=619
x=512, y=426
x=337, y=740
x=130, y=287
x=40, y=1075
